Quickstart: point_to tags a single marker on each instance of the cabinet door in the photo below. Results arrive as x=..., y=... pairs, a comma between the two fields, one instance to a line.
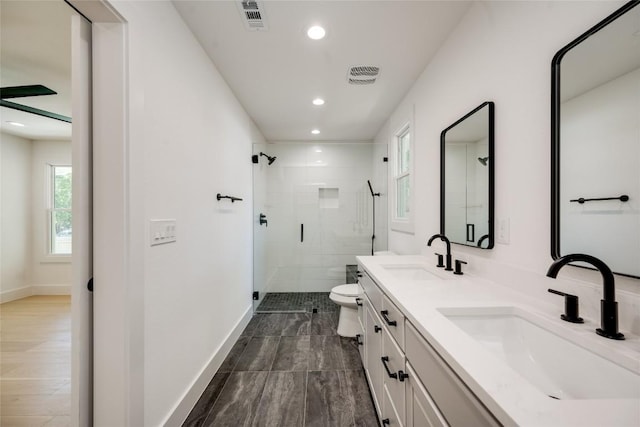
x=394, y=374
x=421, y=411
x=390, y=414
x=362, y=320
x=373, y=350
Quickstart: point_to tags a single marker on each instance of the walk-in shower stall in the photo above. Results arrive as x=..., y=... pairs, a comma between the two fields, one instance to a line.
x=312, y=216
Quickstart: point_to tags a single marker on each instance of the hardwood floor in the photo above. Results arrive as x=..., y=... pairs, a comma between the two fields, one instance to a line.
x=288, y=370
x=35, y=362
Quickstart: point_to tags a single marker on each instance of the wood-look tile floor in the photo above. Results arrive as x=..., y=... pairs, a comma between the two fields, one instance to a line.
x=288, y=370
x=35, y=362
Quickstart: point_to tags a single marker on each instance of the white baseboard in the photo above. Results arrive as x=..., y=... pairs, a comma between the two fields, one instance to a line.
x=51, y=289
x=187, y=402
x=27, y=291
x=14, y=294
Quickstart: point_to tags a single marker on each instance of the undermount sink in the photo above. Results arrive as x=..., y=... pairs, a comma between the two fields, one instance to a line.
x=410, y=272
x=553, y=364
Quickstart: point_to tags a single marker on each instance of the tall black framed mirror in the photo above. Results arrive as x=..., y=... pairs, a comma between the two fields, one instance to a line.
x=595, y=156
x=467, y=179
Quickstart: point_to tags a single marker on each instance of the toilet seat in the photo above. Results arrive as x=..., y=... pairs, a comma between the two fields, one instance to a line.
x=348, y=290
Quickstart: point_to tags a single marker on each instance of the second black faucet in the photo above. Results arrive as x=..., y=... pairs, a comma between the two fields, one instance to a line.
x=448, y=243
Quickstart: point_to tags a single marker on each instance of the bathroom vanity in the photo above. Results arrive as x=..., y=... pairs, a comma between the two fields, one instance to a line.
x=440, y=349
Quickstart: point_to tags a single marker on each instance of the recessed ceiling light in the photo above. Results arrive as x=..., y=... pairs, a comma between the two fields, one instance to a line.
x=318, y=150
x=315, y=131
x=16, y=124
x=318, y=101
x=316, y=32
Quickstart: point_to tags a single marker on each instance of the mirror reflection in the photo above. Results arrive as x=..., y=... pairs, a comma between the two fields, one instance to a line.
x=466, y=205
x=596, y=145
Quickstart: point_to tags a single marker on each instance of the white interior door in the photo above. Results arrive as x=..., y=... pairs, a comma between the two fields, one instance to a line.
x=81, y=297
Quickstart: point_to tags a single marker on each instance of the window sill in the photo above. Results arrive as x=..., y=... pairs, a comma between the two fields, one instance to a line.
x=56, y=259
x=402, y=226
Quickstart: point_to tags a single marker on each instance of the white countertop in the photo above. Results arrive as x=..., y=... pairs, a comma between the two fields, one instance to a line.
x=511, y=398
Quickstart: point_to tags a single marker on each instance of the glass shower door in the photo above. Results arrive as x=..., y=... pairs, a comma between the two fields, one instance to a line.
x=319, y=211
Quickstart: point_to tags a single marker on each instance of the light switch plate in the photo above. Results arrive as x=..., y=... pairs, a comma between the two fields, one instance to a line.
x=162, y=231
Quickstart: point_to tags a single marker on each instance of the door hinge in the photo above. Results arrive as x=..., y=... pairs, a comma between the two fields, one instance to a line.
x=256, y=296
x=90, y=285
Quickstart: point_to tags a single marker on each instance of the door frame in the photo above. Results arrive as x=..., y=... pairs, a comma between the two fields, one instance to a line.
x=118, y=304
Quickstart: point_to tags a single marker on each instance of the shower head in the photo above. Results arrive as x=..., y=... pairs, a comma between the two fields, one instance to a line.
x=483, y=160
x=270, y=158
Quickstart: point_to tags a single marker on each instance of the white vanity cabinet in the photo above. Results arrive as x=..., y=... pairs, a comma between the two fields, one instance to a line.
x=410, y=383
x=384, y=359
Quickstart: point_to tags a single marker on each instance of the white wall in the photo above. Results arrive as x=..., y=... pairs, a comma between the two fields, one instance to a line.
x=188, y=139
x=501, y=52
x=26, y=269
x=15, y=227
x=49, y=275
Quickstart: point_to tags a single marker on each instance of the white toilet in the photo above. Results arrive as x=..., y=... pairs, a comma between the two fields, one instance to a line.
x=345, y=296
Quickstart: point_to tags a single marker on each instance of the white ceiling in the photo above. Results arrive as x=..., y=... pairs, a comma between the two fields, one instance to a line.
x=276, y=73
x=35, y=48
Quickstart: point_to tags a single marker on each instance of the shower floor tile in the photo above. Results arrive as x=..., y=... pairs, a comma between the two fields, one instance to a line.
x=274, y=302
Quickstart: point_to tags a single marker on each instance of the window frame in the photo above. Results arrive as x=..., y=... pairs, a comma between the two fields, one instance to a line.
x=51, y=210
x=402, y=224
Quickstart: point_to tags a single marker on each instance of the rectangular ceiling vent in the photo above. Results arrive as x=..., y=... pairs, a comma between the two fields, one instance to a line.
x=253, y=15
x=363, y=75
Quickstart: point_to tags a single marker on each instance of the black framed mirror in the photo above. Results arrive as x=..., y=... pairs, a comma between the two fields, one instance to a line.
x=595, y=143
x=467, y=161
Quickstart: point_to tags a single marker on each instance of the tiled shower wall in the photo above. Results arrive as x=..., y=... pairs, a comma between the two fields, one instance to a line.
x=322, y=186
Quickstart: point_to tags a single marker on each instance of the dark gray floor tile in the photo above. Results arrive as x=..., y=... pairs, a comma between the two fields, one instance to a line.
x=292, y=354
x=350, y=353
x=364, y=413
x=282, y=401
x=253, y=325
x=296, y=324
x=234, y=355
x=328, y=402
x=325, y=353
x=258, y=354
x=270, y=325
x=202, y=408
x=238, y=402
x=323, y=324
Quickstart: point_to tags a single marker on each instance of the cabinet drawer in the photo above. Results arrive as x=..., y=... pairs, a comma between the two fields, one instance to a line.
x=456, y=402
x=393, y=372
x=394, y=319
x=371, y=289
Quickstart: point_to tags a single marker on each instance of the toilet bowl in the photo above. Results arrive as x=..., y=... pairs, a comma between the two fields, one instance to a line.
x=345, y=297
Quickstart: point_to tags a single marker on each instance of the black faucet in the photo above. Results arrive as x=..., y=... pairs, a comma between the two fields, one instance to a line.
x=608, y=305
x=448, y=256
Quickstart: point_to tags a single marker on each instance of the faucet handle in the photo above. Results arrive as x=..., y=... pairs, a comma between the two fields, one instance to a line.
x=458, y=269
x=440, y=260
x=571, y=311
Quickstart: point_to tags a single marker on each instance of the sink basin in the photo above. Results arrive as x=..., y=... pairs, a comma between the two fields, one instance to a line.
x=410, y=272
x=549, y=361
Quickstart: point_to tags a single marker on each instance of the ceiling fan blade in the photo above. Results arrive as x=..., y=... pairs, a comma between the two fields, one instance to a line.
x=33, y=110
x=24, y=91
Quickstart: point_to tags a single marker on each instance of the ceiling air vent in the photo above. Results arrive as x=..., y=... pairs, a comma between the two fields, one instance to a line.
x=253, y=15
x=363, y=75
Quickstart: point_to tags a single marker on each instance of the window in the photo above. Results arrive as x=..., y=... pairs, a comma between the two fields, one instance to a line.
x=402, y=175
x=59, y=210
